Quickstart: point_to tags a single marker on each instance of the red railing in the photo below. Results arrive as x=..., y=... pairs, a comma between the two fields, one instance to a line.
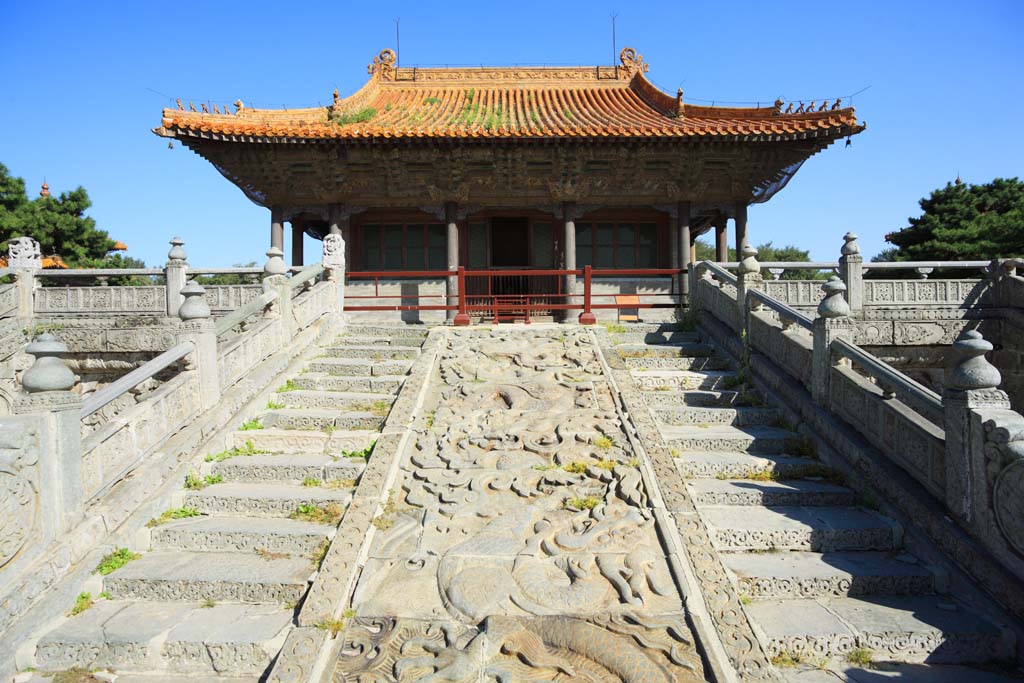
x=510, y=294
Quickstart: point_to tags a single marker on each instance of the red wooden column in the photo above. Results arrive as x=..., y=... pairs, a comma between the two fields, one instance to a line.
x=721, y=239
x=454, y=284
x=297, y=232
x=587, y=317
x=461, y=318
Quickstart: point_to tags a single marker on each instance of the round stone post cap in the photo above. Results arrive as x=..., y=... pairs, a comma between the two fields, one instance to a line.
x=833, y=305
x=194, y=307
x=275, y=263
x=176, y=253
x=48, y=372
x=748, y=261
x=972, y=369
x=850, y=246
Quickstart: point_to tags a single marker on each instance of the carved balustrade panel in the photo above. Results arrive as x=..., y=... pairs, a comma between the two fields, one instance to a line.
x=142, y=299
x=924, y=292
x=720, y=302
x=796, y=293
x=223, y=298
x=21, y=524
x=906, y=437
x=311, y=304
x=247, y=350
x=8, y=299
x=128, y=438
x=791, y=348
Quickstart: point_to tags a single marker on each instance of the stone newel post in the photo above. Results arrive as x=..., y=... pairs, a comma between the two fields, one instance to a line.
x=198, y=327
x=851, y=270
x=48, y=385
x=24, y=258
x=748, y=276
x=334, y=264
x=274, y=278
x=174, y=276
x=970, y=386
x=833, y=322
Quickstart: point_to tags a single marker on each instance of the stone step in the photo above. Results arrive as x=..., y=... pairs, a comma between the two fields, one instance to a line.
x=902, y=629
x=372, y=351
x=288, y=467
x=773, y=493
x=176, y=575
x=305, y=442
x=893, y=672
x=675, y=363
x=681, y=380
x=739, y=417
x=673, y=350
x=823, y=529
x=240, y=534
x=359, y=367
x=386, y=331
x=734, y=465
x=177, y=638
x=261, y=500
x=668, y=397
x=719, y=438
x=335, y=400
x=654, y=337
x=368, y=340
x=318, y=381
x=628, y=328
x=797, y=574
x=318, y=419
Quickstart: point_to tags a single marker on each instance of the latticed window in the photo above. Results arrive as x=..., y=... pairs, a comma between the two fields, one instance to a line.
x=624, y=244
x=404, y=246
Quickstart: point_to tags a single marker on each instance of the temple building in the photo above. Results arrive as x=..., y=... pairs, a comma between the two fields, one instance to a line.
x=514, y=167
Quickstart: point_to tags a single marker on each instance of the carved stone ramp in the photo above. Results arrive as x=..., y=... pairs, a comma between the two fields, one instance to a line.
x=515, y=540
x=818, y=575
x=221, y=578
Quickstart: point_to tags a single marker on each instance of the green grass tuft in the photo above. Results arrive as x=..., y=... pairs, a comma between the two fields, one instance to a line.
x=577, y=467
x=116, y=560
x=274, y=405
x=248, y=449
x=290, y=385
x=251, y=425
x=364, y=453
x=587, y=503
x=83, y=602
x=860, y=657
x=328, y=514
x=604, y=443
x=359, y=116
x=173, y=513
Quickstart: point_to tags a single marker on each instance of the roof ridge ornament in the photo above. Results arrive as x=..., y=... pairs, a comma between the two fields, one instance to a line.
x=383, y=65
x=633, y=62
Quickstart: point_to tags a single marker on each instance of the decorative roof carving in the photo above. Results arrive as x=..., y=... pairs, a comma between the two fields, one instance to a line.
x=632, y=61
x=383, y=65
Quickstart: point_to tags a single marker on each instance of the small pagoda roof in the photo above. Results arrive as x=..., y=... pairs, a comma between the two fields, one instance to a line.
x=510, y=103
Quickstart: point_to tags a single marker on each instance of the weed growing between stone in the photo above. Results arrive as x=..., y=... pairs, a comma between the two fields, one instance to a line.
x=289, y=385
x=75, y=675
x=208, y=603
x=335, y=626
x=316, y=557
x=274, y=405
x=248, y=449
x=330, y=513
x=604, y=443
x=171, y=514
x=116, y=560
x=614, y=328
x=365, y=453
x=577, y=467
x=83, y=602
x=587, y=503
x=270, y=554
x=802, y=446
x=860, y=657
x=193, y=482
x=311, y=481
x=251, y=425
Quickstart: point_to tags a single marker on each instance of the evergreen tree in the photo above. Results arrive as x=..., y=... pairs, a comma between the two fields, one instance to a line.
x=766, y=253
x=964, y=223
x=59, y=224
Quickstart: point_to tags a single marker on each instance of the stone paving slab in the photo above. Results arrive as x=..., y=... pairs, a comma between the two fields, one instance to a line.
x=681, y=349
x=800, y=528
x=240, y=534
x=680, y=380
x=371, y=351
x=235, y=639
x=737, y=417
x=333, y=400
x=359, y=366
x=185, y=576
x=386, y=331
x=678, y=363
x=303, y=441
x=315, y=381
x=698, y=398
x=368, y=340
x=923, y=673
x=262, y=500
x=697, y=464
x=796, y=574
x=772, y=493
x=313, y=419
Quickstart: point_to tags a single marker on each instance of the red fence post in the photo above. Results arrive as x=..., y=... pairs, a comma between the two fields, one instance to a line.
x=586, y=317
x=462, y=318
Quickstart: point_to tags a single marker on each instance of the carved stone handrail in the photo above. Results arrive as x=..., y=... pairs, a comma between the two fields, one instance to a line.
x=719, y=271
x=135, y=377
x=257, y=305
x=782, y=309
x=307, y=274
x=913, y=265
x=914, y=394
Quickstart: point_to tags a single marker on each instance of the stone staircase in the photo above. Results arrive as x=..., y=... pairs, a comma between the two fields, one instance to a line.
x=825, y=580
x=216, y=585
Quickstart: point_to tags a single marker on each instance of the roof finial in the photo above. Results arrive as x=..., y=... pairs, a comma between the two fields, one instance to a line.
x=632, y=61
x=958, y=181
x=45, y=190
x=383, y=65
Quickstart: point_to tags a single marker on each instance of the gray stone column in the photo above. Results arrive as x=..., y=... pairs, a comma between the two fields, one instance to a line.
x=741, y=226
x=340, y=223
x=569, y=254
x=297, y=233
x=277, y=228
x=833, y=322
x=25, y=259
x=971, y=386
x=748, y=276
x=48, y=385
x=683, y=239
x=198, y=327
x=174, y=276
x=851, y=270
x=333, y=261
x=721, y=239
x=452, y=284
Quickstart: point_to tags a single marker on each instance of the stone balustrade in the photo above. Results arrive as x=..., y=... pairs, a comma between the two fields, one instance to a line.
x=53, y=466
x=965, y=447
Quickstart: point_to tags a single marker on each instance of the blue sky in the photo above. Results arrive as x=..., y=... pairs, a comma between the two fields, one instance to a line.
x=85, y=82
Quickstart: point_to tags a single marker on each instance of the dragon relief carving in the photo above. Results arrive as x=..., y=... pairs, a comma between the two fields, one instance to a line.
x=1004, y=469
x=19, y=495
